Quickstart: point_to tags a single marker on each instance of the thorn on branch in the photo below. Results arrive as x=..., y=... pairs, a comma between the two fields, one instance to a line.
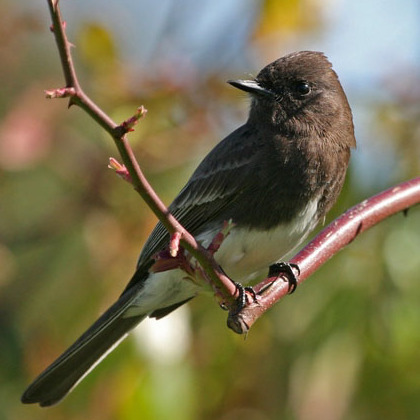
x=72, y=101
x=60, y=93
x=119, y=169
x=64, y=24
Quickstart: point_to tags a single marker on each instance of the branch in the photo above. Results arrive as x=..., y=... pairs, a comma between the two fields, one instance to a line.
x=327, y=243
x=223, y=286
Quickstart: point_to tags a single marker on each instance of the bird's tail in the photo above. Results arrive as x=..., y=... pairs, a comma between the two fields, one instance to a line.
x=81, y=357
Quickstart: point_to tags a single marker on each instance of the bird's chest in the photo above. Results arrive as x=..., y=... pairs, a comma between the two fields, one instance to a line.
x=246, y=252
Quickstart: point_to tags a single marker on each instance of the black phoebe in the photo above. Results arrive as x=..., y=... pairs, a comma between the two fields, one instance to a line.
x=275, y=177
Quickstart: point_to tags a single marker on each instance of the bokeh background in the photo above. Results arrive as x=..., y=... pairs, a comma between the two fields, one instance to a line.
x=344, y=346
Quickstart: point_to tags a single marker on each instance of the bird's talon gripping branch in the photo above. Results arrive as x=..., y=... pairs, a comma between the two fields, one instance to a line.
x=242, y=299
x=277, y=269
x=252, y=292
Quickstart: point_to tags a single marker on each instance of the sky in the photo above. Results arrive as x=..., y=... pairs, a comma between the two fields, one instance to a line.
x=364, y=38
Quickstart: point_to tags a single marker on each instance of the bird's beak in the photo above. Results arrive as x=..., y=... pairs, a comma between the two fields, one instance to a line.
x=250, y=86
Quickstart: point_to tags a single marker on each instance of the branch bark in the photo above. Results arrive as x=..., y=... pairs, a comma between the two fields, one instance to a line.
x=333, y=238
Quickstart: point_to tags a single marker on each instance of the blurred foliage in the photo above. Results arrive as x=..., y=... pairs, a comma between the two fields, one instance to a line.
x=344, y=346
x=288, y=16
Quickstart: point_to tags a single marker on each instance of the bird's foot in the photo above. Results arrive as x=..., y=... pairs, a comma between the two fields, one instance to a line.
x=285, y=268
x=242, y=299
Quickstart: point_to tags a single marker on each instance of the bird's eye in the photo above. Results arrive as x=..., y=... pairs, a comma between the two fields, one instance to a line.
x=302, y=88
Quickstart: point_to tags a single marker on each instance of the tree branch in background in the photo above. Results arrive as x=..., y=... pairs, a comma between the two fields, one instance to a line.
x=332, y=239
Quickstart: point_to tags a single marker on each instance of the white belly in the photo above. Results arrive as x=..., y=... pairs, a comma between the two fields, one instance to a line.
x=244, y=253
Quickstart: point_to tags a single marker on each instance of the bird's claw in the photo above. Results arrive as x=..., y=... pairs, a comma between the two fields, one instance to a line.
x=241, y=301
x=285, y=268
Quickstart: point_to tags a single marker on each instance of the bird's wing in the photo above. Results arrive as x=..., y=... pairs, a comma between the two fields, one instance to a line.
x=218, y=181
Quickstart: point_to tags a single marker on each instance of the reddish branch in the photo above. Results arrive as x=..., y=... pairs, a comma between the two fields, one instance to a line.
x=329, y=242
x=332, y=239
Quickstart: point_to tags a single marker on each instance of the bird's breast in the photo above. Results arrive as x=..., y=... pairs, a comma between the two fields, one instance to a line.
x=245, y=252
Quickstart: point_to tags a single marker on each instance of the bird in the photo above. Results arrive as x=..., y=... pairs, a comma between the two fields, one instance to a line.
x=275, y=178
